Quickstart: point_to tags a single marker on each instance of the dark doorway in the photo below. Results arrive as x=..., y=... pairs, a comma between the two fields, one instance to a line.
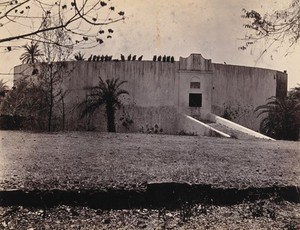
x=195, y=100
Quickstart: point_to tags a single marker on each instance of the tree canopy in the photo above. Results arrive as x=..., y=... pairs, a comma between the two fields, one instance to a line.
x=82, y=20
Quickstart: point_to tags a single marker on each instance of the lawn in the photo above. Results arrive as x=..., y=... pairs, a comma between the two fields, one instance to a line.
x=92, y=160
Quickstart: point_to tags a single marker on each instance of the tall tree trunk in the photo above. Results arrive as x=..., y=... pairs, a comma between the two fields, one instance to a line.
x=110, y=116
x=63, y=113
x=51, y=102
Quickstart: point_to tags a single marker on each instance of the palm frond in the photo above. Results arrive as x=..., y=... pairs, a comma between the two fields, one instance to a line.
x=281, y=118
x=121, y=92
x=79, y=56
x=31, y=54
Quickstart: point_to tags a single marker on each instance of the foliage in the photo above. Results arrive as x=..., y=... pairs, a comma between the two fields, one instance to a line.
x=281, y=120
x=126, y=120
x=79, y=56
x=295, y=93
x=40, y=98
x=184, y=133
x=106, y=93
x=8, y=122
x=49, y=75
x=280, y=26
x=3, y=87
x=235, y=112
x=32, y=53
x=28, y=101
x=84, y=20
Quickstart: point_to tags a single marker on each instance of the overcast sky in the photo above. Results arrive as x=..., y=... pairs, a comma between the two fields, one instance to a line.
x=181, y=27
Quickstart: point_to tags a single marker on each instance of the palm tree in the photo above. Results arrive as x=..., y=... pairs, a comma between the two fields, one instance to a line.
x=79, y=56
x=295, y=93
x=106, y=93
x=280, y=120
x=32, y=53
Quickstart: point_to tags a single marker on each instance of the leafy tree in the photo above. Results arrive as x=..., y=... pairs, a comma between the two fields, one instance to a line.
x=32, y=53
x=39, y=96
x=280, y=26
x=28, y=101
x=106, y=93
x=82, y=19
x=281, y=119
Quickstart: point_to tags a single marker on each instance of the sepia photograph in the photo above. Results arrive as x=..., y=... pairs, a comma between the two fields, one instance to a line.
x=139, y=114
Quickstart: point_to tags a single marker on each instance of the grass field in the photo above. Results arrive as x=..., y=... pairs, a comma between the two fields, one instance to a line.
x=86, y=160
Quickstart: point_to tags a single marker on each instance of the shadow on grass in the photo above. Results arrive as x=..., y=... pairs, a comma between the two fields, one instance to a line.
x=155, y=196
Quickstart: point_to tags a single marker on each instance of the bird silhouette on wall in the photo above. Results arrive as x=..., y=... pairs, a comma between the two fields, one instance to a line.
x=98, y=58
x=159, y=58
x=94, y=58
x=122, y=57
x=154, y=58
x=172, y=59
x=140, y=58
x=129, y=57
x=164, y=59
x=90, y=58
x=168, y=58
x=102, y=58
x=134, y=58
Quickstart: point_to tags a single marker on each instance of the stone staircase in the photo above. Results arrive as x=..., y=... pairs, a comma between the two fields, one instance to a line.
x=223, y=128
x=233, y=133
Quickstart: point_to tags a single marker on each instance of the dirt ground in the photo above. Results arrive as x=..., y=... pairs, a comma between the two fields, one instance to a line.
x=260, y=215
x=86, y=160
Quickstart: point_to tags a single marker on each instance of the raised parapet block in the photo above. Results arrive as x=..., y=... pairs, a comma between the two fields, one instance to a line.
x=195, y=62
x=281, y=84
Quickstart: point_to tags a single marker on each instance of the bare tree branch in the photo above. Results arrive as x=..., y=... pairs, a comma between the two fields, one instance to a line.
x=72, y=17
x=13, y=8
x=280, y=26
